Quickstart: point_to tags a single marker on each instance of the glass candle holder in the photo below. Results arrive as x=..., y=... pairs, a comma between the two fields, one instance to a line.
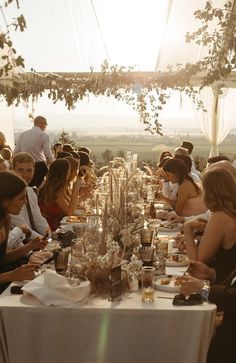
x=148, y=274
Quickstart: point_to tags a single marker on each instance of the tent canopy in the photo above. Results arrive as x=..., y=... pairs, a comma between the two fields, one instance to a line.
x=74, y=35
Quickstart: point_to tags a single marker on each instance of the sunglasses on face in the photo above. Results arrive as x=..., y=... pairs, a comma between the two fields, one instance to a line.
x=181, y=300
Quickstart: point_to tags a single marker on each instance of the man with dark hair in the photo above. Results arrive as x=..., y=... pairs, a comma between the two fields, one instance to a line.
x=36, y=142
x=187, y=145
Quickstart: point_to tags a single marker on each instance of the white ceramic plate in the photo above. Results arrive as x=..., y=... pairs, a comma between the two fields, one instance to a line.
x=74, y=220
x=182, y=262
x=170, y=287
x=170, y=227
x=163, y=206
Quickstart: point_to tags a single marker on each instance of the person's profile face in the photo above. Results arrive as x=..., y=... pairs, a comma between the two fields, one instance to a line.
x=171, y=177
x=59, y=148
x=14, y=205
x=25, y=170
x=43, y=124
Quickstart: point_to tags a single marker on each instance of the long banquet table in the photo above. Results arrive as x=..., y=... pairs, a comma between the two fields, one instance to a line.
x=100, y=331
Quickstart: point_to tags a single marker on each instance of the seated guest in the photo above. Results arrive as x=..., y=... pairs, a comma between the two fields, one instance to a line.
x=68, y=148
x=163, y=155
x=74, y=169
x=168, y=190
x=180, y=151
x=215, y=159
x=57, y=148
x=223, y=164
x=85, y=150
x=3, y=142
x=188, y=161
x=12, y=199
x=6, y=153
x=54, y=202
x=3, y=165
x=189, y=198
x=63, y=154
x=218, y=243
x=30, y=215
x=222, y=348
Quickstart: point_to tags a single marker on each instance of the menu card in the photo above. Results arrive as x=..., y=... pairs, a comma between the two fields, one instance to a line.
x=115, y=283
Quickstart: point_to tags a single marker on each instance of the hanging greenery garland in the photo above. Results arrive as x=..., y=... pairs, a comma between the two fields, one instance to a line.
x=146, y=93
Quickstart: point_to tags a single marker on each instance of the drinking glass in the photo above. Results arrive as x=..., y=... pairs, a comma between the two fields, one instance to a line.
x=148, y=273
x=61, y=260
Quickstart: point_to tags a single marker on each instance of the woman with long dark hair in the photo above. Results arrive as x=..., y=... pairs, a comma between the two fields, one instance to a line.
x=189, y=198
x=54, y=202
x=12, y=198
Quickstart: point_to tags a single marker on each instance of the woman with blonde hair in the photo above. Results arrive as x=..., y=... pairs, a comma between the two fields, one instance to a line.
x=54, y=202
x=218, y=243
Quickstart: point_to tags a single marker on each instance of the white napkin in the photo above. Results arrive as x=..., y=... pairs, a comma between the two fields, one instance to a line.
x=53, y=289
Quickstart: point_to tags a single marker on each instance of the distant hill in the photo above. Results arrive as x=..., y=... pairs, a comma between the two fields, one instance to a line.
x=100, y=124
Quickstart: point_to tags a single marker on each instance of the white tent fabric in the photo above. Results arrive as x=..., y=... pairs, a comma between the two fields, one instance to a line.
x=74, y=35
x=220, y=113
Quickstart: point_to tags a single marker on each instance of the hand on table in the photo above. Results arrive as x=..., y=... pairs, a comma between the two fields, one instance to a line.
x=24, y=272
x=173, y=217
x=39, y=257
x=38, y=243
x=201, y=271
x=190, y=284
x=197, y=223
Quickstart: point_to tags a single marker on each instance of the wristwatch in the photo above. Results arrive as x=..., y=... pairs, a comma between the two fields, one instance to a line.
x=205, y=290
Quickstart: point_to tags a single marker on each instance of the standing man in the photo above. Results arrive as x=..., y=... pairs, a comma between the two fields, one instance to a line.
x=29, y=222
x=36, y=142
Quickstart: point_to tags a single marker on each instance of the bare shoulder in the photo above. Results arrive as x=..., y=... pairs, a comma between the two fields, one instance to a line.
x=222, y=218
x=186, y=185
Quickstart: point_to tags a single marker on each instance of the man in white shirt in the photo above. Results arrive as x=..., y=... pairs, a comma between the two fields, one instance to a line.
x=29, y=220
x=36, y=142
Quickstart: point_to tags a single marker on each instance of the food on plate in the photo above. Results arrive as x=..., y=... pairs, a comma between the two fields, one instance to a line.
x=170, y=226
x=176, y=258
x=76, y=219
x=170, y=280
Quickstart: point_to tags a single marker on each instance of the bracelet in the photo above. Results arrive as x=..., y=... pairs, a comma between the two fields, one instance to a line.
x=205, y=290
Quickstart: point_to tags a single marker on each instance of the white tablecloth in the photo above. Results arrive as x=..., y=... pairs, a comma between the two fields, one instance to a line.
x=100, y=331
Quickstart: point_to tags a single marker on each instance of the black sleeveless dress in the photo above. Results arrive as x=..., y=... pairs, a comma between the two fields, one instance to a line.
x=224, y=263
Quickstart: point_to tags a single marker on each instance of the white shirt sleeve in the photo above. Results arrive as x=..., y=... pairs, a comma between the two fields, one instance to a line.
x=15, y=238
x=40, y=222
x=47, y=149
x=17, y=147
x=206, y=216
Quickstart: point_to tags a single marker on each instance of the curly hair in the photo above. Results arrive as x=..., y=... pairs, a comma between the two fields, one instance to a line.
x=220, y=191
x=56, y=180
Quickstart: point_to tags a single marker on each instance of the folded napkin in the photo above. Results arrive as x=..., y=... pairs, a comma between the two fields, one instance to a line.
x=53, y=289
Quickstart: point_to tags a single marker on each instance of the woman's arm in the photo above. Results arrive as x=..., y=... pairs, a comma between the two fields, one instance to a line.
x=213, y=236
x=24, y=272
x=211, y=240
x=17, y=253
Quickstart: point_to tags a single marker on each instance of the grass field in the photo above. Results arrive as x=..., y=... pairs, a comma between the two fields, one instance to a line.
x=150, y=147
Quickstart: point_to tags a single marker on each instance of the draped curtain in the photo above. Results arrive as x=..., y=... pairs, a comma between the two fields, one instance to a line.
x=220, y=109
